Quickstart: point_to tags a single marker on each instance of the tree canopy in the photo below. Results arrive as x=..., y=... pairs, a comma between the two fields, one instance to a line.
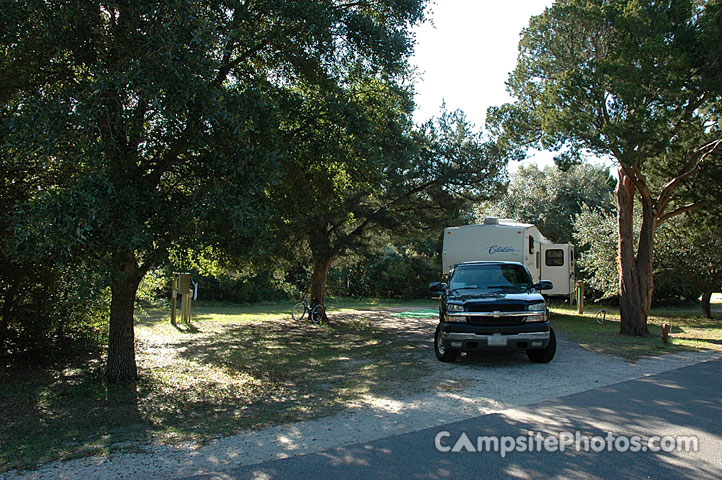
x=361, y=168
x=550, y=198
x=142, y=125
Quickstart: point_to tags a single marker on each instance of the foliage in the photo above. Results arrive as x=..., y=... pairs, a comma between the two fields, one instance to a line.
x=397, y=272
x=140, y=126
x=48, y=312
x=363, y=171
x=692, y=247
x=47, y=307
x=246, y=287
x=595, y=233
x=551, y=198
x=154, y=288
x=607, y=77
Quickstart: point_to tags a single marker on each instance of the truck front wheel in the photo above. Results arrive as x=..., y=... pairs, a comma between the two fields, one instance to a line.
x=544, y=355
x=443, y=353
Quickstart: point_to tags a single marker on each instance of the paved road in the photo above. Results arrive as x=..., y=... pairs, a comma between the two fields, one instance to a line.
x=686, y=401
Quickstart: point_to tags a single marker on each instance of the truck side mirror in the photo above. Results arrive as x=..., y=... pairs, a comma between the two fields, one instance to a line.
x=437, y=287
x=544, y=285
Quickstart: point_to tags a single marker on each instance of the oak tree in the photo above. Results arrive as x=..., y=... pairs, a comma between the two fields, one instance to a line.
x=157, y=123
x=361, y=170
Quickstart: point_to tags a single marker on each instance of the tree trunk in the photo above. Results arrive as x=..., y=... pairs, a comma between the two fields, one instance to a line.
x=322, y=255
x=634, y=284
x=318, y=278
x=706, y=300
x=121, y=366
x=645, y=259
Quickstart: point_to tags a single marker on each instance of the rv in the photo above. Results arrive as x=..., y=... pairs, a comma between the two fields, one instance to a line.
x=506, y=240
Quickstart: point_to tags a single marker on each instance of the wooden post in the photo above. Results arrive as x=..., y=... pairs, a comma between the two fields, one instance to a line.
x=184, y=287
x=183, y=308
x=580, y=297
x=174, y=296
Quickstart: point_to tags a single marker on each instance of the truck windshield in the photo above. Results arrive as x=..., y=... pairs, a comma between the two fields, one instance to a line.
x=490, y=278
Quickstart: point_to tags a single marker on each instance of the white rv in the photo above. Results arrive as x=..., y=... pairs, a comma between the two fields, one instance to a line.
x=506, y=240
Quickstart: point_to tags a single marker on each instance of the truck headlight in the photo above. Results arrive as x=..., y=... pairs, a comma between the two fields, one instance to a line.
x=454, y=308
x=537, y=307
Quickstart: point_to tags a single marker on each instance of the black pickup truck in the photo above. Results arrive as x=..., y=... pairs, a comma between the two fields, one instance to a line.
x=493, y=305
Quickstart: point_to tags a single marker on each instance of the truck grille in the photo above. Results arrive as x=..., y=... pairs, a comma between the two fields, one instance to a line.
x=495, y=307
x=495, y=320
x=490, y=307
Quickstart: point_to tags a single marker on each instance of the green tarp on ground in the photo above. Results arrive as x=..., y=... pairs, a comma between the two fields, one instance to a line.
x=417, y=313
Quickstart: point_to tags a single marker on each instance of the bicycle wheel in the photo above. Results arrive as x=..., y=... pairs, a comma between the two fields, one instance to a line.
x=298, y=311
x=601, y=316
x=317, y=314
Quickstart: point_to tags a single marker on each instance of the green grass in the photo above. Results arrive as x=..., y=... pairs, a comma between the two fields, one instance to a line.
x=690, y=331
x=249, y=366
x=243, y=367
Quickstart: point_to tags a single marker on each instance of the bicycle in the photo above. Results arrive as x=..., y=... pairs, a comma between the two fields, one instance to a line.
x=315, y=310
x=601, y=316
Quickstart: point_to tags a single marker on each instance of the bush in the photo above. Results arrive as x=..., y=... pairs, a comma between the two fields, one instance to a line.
x=244, y=287
x=47, y=311
x=392, y=274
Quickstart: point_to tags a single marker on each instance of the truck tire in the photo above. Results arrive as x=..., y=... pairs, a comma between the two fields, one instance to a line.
x=443, y=354
x=544, y=355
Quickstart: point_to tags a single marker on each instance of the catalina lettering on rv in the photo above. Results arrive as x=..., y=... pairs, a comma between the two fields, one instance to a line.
x=497, y=249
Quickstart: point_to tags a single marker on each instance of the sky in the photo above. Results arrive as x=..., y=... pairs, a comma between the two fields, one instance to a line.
x=464, y=55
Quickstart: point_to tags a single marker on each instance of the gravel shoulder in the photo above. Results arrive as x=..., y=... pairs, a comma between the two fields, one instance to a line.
x=476, y=385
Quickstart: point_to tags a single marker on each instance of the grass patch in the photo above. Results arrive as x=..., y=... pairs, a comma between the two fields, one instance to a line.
x=690, y=331
x=245, y=367
x=250, y=366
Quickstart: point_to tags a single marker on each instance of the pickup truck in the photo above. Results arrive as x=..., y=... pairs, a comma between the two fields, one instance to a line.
x=493, y=305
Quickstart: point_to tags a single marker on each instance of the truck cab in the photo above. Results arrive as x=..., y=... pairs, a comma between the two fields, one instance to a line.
x=489, y=305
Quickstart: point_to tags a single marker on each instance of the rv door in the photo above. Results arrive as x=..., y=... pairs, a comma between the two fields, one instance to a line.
x=557, y=266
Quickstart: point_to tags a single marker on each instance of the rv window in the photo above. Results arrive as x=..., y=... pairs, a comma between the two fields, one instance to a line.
x=554, y=257
x=531, y=244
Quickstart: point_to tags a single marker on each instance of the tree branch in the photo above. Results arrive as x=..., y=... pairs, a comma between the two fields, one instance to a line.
x=693, y=163
x=231, y=64
x=680, y=210
x=689, y=110
x=631, y=174
x=359, y=229
x=640, y=183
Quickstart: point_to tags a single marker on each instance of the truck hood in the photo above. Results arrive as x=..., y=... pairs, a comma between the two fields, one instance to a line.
x=476, y=296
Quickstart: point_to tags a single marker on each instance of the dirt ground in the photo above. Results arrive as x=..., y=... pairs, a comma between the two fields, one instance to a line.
x=477, y=384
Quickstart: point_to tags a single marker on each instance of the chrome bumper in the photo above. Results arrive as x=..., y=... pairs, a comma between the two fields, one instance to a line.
x=472, y=341
x=476, y=336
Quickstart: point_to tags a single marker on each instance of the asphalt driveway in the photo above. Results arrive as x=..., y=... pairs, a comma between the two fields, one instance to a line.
x=680, y=403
